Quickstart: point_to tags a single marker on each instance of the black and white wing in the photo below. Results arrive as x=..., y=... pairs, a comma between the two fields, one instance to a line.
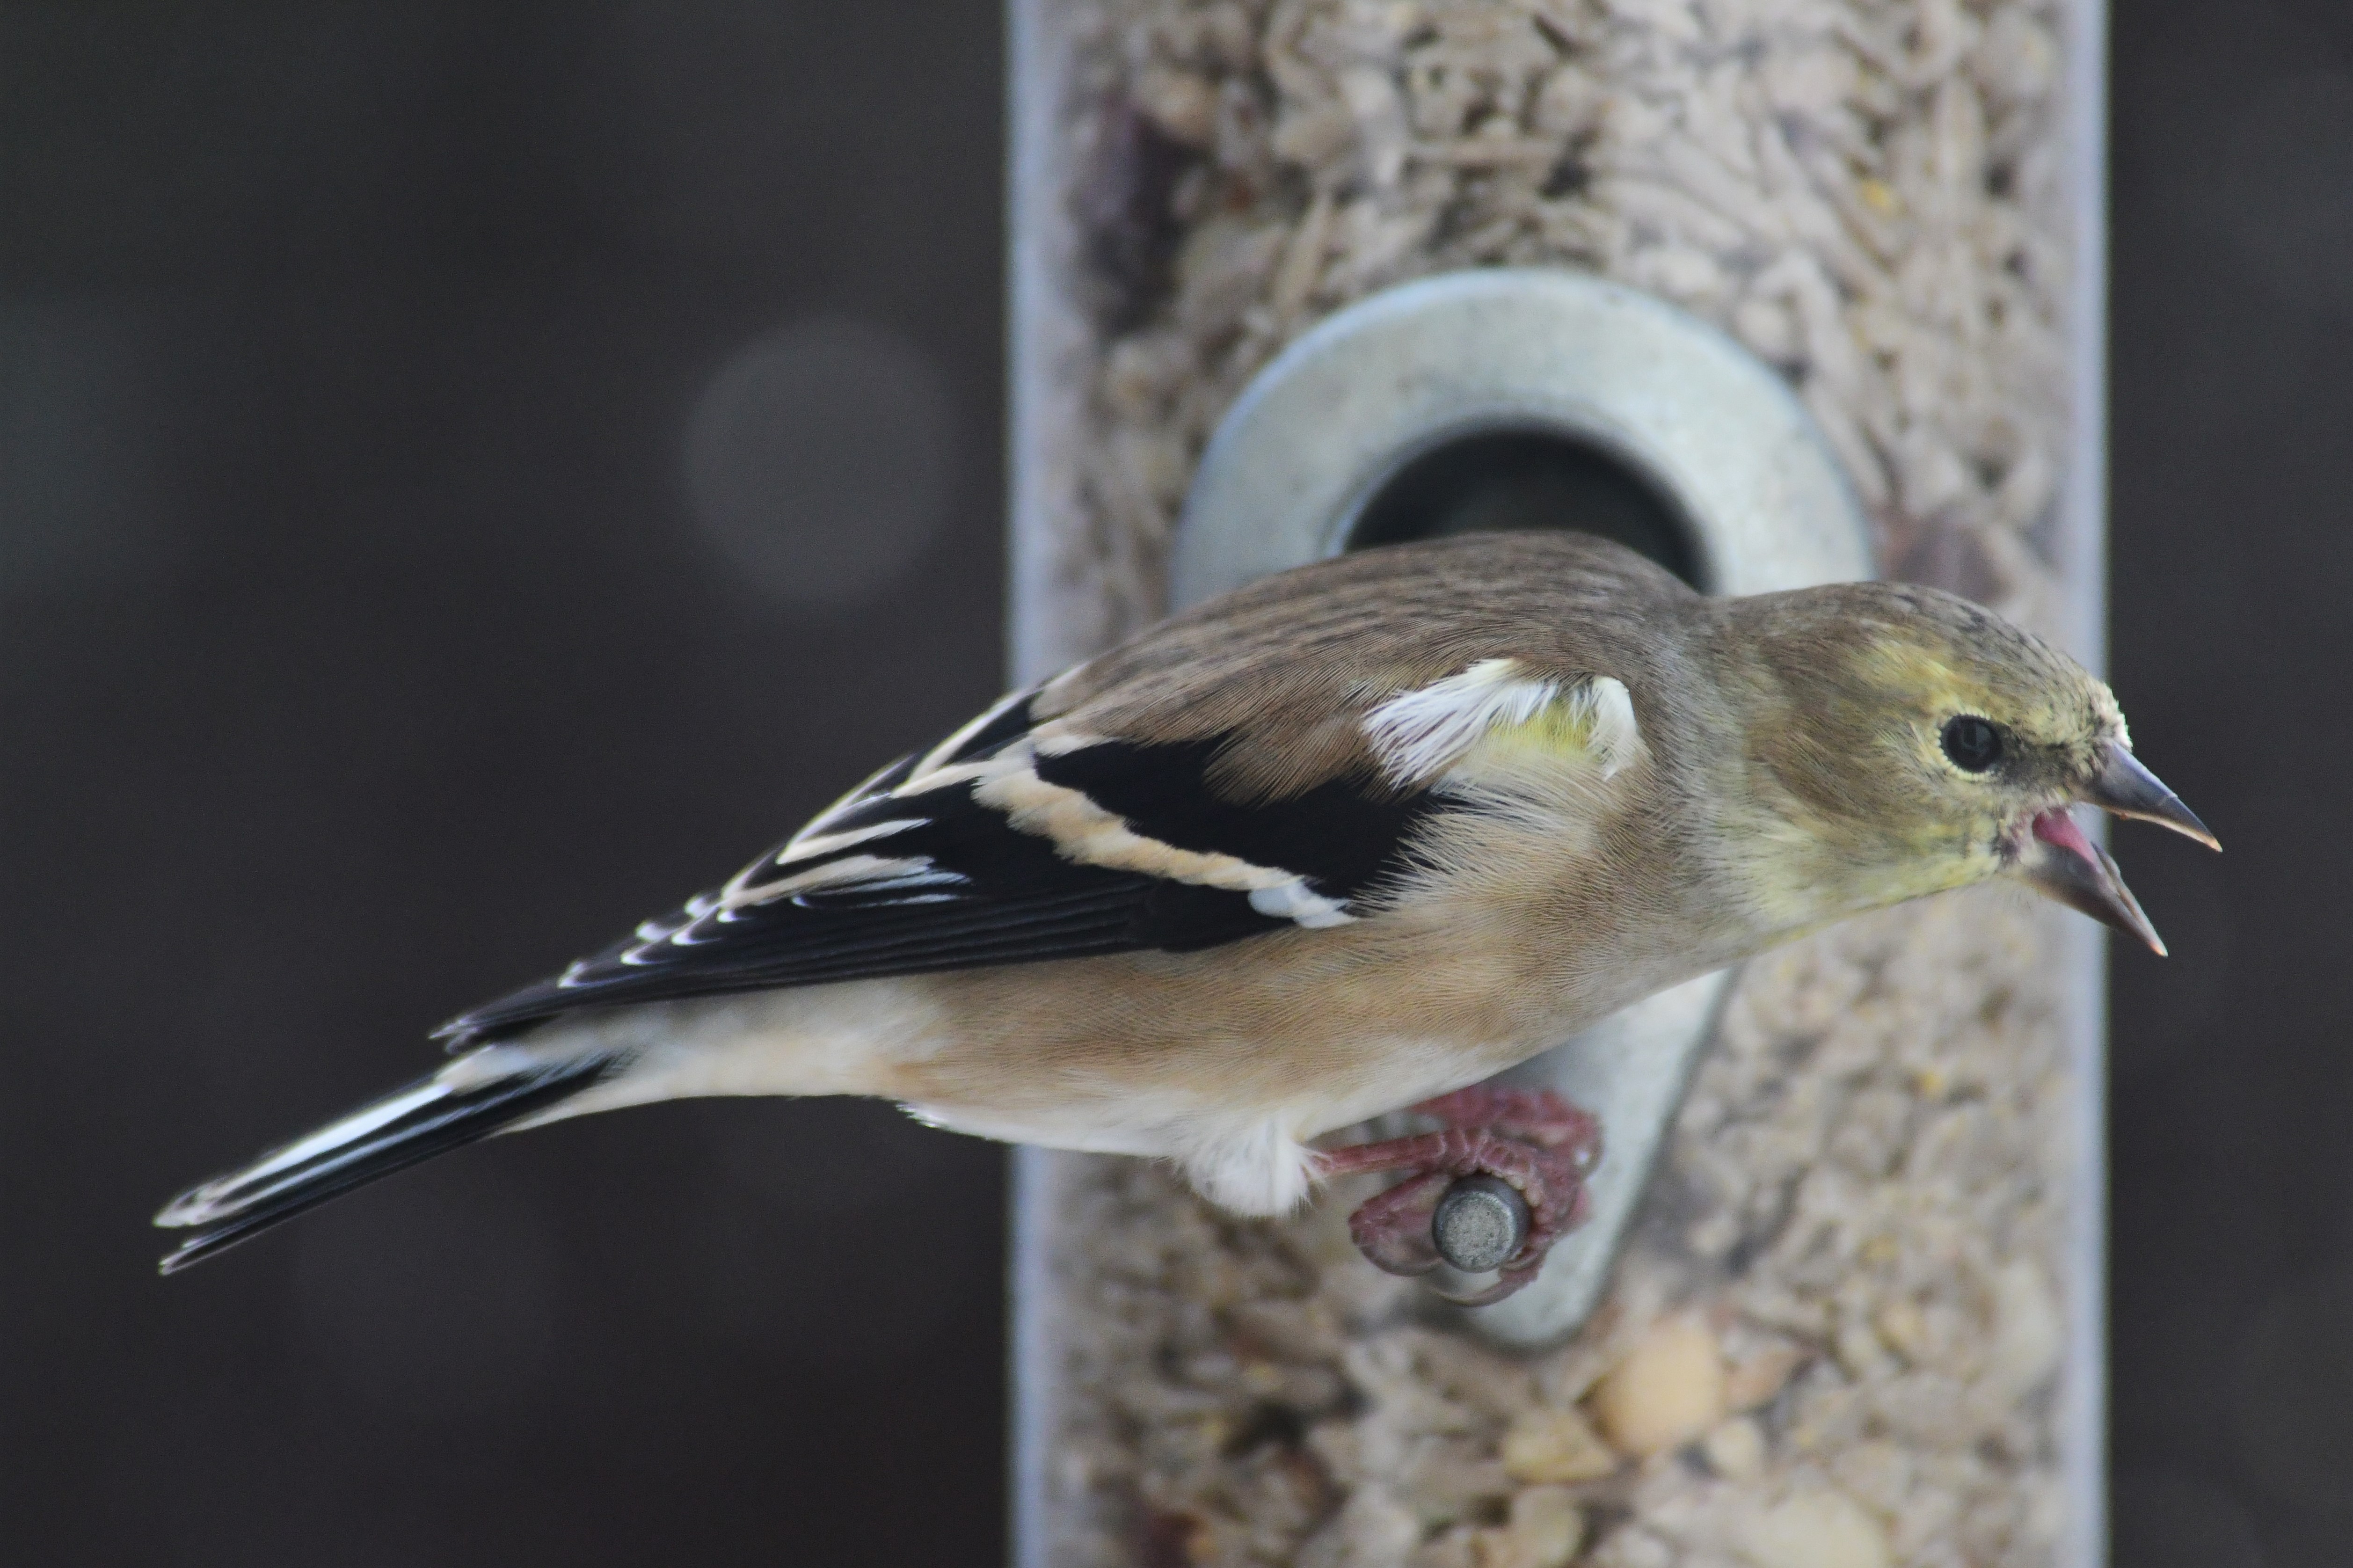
x=1275, y=760
x=1007, y=842
x=1323, y=748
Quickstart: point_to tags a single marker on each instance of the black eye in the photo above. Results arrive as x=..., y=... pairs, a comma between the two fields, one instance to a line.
x=1972, y=742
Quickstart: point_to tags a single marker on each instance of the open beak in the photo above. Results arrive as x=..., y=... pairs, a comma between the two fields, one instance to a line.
x=2126, y=789
x=2061, y=863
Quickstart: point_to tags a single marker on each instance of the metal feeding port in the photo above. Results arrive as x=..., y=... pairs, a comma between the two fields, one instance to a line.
x=1534, y=398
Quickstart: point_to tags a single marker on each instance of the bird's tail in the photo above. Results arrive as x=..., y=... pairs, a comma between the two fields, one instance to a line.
x=473, y=1097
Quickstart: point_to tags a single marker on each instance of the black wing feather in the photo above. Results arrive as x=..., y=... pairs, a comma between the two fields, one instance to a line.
x=989, y=893
x=1341, y=834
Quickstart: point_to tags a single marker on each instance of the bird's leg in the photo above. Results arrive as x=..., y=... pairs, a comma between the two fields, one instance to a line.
x=1541, y=1117
x=1532, y=1139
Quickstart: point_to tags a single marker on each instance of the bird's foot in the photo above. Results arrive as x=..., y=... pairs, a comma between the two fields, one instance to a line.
x=1532, y=1139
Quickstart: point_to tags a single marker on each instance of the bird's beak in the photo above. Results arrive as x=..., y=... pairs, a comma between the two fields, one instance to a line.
x=2126, y=789
x=2061, y=863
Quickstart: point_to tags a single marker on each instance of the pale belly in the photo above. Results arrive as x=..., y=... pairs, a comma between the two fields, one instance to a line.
x=1248, y=1154
x=1228, y=1075
x=1227, y=1063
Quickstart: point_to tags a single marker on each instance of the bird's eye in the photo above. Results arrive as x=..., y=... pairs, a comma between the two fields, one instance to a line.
x=1972, y=742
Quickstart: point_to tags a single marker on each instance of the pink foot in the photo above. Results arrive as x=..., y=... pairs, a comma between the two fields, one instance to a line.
x=1531, y=1138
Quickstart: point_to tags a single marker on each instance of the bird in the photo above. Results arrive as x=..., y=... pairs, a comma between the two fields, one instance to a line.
x=1350, y=839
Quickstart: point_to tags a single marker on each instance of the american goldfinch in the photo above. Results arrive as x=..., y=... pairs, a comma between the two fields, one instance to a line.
x=1353, y=838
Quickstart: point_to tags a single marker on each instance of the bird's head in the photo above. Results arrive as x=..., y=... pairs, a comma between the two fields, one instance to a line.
x=1916, y=742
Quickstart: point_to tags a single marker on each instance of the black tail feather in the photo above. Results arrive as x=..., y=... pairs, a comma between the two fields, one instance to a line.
x=233, y=1208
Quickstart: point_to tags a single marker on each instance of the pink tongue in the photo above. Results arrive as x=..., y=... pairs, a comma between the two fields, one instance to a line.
x=2057, y=829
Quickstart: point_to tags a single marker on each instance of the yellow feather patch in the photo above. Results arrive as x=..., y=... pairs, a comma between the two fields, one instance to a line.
x=1903, y=664
x=1494, y=725
x=1590, y=726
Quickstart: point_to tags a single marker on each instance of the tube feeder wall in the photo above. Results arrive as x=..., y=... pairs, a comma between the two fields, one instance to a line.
x=1855, y=1317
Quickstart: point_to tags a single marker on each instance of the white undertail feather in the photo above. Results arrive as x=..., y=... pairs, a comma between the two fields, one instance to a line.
x=265, y=1177
x=1254, y=1165
x=1260, y=1168
x=471, y=1097
x=821, y=1040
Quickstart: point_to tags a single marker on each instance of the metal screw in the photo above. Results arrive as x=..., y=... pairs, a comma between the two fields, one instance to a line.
x=1480, y=1224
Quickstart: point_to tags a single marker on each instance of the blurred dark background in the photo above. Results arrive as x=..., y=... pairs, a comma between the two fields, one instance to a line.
x=2231, y=597
x=392, y=604
x=398, y=596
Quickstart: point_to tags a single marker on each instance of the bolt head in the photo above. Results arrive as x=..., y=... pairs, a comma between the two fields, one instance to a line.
x=1480, y=1225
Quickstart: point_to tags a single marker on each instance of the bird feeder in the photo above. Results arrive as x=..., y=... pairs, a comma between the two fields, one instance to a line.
x=1774, y=292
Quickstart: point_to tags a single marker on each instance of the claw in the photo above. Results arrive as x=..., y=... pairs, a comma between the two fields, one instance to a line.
x=1542, y=1116
x=1507, y=1283
x=1392, y=1230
